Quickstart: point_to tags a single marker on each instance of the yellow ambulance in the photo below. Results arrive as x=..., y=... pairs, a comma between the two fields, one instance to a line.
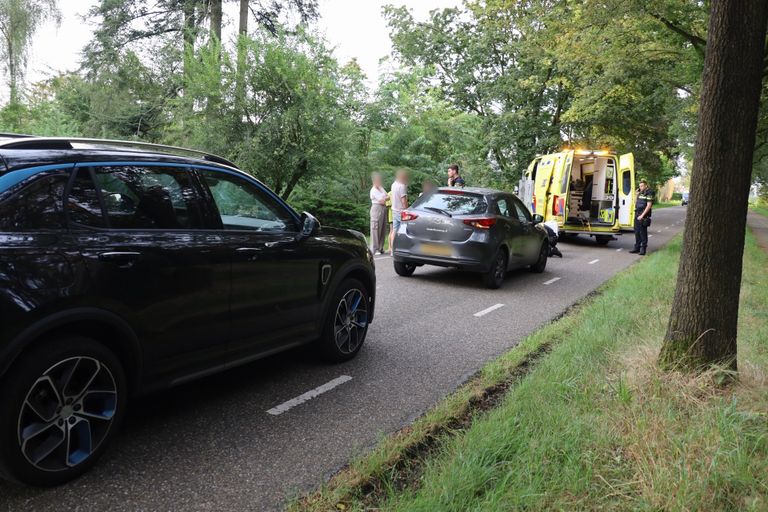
x=585, y=191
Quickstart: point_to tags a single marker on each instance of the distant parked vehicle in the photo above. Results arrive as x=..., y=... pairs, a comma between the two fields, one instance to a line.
x=128, y=267
x=473, y=229
x=685, y=199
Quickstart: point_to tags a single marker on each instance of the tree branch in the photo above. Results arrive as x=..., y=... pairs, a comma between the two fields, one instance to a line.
x=699, y=43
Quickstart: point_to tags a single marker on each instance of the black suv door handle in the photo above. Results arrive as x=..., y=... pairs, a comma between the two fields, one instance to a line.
x=120, y=257
x=251, y=252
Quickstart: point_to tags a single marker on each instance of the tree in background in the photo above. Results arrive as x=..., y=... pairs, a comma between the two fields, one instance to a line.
x=19, y=20
x=703, y=322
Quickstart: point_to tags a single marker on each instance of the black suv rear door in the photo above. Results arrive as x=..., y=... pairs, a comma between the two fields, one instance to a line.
x=275, y=275
x=140, y=228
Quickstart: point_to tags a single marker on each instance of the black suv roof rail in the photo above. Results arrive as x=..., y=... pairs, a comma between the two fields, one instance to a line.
x=32, y=142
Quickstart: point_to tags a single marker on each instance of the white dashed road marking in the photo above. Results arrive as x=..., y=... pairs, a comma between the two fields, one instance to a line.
x=593, y=262
x=551, y=280
x=309, y=395
x=488, y=310
x=619, y=249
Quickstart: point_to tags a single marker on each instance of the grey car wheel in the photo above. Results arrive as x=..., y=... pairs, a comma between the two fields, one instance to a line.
x=541, y=262
x=494, y=278
x=404, y=269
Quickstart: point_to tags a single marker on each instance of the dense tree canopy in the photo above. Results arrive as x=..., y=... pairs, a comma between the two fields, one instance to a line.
x=487, y=85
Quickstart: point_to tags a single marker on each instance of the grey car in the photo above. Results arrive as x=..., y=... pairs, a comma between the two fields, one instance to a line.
x=475, y=229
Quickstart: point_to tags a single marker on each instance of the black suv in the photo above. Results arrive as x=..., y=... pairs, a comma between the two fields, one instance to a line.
x=127, y=267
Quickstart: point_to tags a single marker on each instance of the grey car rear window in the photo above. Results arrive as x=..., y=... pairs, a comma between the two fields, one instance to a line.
x=454, y=203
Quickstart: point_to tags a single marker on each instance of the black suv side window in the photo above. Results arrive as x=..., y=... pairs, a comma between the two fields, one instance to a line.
x=37, y=206
x=244, y=206
x=134, y=197
x=83, y=202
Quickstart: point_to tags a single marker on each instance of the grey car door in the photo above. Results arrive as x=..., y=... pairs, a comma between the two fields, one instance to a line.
x=530, y=241
x=512, y=230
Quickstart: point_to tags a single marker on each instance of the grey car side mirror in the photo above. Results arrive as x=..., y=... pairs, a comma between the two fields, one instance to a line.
x=537, y=219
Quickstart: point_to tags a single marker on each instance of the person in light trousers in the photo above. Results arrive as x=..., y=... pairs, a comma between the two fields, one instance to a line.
x=378, y=214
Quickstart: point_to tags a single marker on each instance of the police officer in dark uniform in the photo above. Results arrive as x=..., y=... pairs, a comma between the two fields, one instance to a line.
x=643, y=206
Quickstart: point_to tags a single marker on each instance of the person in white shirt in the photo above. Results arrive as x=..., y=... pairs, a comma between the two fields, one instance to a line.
x=399, y=194
x=378, y=214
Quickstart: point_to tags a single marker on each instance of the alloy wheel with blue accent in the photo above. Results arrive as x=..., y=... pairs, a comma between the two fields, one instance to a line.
x=67, y=414
x=351, y=321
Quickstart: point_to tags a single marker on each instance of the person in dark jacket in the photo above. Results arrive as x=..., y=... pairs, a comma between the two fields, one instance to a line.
x=643, y=210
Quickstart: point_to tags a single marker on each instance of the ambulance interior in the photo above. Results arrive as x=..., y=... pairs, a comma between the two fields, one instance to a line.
x=592, y=191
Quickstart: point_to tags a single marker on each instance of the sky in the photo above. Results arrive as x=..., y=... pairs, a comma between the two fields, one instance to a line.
x=355, y=28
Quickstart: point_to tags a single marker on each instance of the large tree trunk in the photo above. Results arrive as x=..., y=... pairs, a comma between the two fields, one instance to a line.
x=702, y=325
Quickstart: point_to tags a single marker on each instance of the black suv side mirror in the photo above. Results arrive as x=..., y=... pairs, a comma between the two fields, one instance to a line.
x=537, y=219
x=309, y=225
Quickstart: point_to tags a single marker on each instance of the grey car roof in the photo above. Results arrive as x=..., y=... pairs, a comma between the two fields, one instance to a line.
x=475, y=190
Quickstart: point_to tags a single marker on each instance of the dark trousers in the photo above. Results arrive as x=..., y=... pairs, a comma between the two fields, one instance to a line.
x=641, y=234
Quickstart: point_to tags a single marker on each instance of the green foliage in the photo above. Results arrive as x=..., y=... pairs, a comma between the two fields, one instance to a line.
x=19, y=20
x=487, y=85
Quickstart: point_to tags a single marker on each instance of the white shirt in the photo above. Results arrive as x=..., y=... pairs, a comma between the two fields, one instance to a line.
x=378, y=194
x=399, y=190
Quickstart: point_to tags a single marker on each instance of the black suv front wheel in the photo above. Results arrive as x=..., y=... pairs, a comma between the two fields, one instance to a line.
x=66, y=403
x=347, y=321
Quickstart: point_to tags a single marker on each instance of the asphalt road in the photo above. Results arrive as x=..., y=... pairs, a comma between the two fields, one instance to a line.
x=253, y=437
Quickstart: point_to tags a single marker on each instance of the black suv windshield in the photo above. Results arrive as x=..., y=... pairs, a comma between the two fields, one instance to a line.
x=453, y=203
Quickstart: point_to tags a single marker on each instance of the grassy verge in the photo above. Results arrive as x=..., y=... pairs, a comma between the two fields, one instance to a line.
x=656, y=206
x=762, y=210
x=593, y=425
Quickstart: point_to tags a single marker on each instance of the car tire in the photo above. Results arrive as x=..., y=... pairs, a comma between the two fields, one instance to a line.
x=541, y=262
x=61, y=405
x=346, y=323
x=404, y=269
x=603, y=239
x=494, y=277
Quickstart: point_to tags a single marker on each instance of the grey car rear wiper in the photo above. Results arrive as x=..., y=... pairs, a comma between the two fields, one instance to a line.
x=438, y=210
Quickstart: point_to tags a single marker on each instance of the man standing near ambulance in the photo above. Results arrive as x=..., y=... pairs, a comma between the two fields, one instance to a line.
x=643, y=207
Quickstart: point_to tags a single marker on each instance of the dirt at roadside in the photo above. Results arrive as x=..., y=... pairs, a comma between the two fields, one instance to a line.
x=759, y=226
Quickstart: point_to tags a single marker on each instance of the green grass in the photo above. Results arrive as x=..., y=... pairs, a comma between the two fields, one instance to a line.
x=761, y=209
x=595, y=425
x=657, y=206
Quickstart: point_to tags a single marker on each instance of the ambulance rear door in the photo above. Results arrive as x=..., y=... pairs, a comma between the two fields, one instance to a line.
x=626, y=189
x=541, y=185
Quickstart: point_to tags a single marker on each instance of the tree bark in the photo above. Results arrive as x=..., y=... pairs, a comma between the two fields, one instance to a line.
x=242, y=27
x=216, y=21
x=703, y=323
x=190, y=25
x=242, y=33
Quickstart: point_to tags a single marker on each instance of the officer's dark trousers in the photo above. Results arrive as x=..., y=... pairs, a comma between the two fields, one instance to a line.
x=641, y=235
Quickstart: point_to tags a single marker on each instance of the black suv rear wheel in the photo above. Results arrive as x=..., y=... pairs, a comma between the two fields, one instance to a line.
x=347, y=321
x=66, y=403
